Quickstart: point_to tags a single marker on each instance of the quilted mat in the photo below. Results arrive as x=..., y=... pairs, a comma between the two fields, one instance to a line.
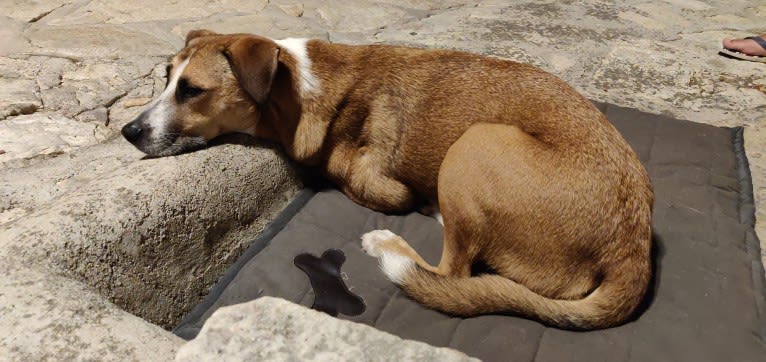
x=706, y=302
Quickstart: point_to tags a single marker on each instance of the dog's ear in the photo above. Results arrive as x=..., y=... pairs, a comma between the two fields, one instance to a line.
x=254, y=62
x=198, y=33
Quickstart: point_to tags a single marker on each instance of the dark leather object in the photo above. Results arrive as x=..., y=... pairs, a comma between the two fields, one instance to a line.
x=331, y=295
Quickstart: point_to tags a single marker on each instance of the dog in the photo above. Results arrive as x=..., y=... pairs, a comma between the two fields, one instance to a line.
x=529, y=177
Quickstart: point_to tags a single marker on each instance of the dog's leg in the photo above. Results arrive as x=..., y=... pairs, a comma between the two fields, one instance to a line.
x=396, y=255
x=369, y=185
x=466, y=230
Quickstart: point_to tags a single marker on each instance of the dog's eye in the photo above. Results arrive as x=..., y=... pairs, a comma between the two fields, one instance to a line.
x=186, y=91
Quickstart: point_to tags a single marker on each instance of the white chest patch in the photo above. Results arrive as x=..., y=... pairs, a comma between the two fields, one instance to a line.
x=297, y=48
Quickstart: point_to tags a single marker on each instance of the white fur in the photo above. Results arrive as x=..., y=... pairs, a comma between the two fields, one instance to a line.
x=396, y=266
x=297, y=48
x=161, y=110
x=372, y=239
x=438, y=216
x=433, y=211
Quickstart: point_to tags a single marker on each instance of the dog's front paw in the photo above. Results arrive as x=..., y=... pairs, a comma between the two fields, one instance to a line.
x=373, y=241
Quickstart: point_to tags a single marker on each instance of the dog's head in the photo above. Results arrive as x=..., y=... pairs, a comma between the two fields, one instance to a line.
x=217, y=84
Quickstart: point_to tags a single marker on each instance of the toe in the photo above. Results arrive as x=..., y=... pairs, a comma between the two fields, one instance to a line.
x=735, y=44
x=369, y=247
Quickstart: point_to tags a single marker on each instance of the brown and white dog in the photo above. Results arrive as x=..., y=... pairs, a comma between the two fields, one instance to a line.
x=530, y=178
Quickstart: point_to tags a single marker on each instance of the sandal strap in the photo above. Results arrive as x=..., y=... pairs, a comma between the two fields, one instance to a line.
x=759, y=40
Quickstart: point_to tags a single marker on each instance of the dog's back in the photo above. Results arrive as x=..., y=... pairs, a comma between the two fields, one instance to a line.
x=419, y=102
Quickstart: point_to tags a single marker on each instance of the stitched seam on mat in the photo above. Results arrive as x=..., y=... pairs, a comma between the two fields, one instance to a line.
x=454, y=332
x=339, y=236
x=392, y=296
x=304, y=294
x=353, y=241
x=321, y=227
x=654, y=141
x=390, y=299
x=716, y=225
x=539, y=344
x=299, y=217
x=358, y=243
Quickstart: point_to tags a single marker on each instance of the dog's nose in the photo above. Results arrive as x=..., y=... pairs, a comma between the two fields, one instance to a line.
x=132, y=131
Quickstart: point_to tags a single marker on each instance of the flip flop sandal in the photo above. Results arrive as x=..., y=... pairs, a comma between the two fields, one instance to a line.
x=743, y=56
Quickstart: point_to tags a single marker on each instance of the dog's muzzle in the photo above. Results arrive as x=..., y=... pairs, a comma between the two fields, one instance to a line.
x=141, y=134
x=133, y=131
x=159, y=142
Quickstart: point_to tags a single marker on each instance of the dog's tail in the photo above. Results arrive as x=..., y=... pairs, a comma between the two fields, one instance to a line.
x=610, y=304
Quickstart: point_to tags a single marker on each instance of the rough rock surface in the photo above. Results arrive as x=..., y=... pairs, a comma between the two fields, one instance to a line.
x=272, y=329
x=47, y=317
x=154, y=235
x=44, y=134
x=76, y=200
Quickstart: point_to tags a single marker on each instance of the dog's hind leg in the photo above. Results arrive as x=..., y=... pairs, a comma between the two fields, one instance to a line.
x=465, y=220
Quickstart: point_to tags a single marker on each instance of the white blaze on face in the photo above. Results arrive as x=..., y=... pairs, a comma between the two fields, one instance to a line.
x=161, y=110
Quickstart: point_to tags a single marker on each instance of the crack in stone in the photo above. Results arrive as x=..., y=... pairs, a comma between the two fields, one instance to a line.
x=39, y=94
x=71, y=58
x=108, y=104
x=44, y=14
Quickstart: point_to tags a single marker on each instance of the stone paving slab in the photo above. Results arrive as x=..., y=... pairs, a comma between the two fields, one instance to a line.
x=273, y=329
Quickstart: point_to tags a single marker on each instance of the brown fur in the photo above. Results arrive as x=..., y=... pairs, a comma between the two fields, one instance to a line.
x=530, y=178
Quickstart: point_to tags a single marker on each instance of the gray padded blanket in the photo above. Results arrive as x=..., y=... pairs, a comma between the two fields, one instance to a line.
x=707, y=300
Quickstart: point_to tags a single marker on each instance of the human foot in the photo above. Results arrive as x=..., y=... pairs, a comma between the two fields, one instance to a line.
x=750, y=48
